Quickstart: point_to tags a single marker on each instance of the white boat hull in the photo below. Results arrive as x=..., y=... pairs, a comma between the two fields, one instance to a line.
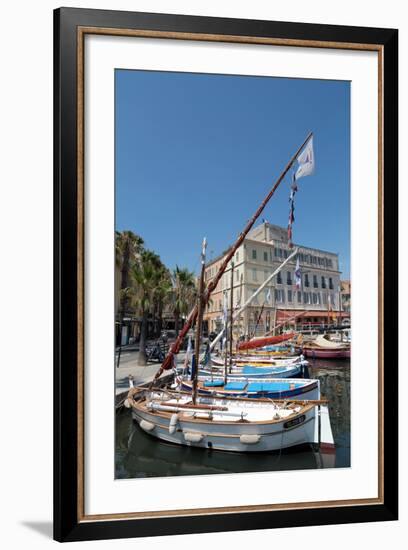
x=237, y=436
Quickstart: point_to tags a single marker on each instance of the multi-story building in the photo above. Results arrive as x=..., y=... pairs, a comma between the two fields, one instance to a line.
x=281, y=302
x=345, y=287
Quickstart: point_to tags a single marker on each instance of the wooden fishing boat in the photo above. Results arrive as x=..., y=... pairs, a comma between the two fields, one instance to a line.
x=227, y=424
x=314, y=352
x=289, y=371
x=259, y=361
x=272, y=388
x=321, y=348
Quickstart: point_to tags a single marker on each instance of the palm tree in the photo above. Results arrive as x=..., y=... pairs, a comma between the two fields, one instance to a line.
x=162, y=296
x=184, y=293
x=128, y=246
x=146, y=276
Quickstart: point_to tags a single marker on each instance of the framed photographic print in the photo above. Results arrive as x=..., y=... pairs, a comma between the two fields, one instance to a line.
x=225, y=274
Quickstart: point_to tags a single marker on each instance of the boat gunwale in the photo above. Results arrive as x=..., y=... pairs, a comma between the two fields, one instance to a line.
x=303, y=389
x=142, y=406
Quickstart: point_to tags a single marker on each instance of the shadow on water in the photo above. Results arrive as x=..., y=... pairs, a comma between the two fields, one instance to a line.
x=140, y=455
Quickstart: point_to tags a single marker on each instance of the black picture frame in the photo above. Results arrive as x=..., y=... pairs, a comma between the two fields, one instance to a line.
x=67, y=525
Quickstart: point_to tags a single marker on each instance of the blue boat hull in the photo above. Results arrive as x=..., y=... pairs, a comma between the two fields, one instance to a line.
x=276, y=390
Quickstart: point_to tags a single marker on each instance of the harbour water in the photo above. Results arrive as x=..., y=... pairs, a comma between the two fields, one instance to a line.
x=138, y=454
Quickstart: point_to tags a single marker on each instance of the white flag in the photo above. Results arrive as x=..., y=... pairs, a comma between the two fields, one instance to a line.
x=225, y=309
x=298, y=275
x=189, y=348
x=306, y=161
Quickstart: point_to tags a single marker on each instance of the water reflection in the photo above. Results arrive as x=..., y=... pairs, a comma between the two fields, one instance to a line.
x=140, y=455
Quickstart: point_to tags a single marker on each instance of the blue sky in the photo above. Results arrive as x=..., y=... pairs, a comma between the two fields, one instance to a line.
x=195, y=154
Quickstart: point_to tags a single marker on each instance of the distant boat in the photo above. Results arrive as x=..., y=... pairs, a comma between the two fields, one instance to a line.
x=322, y=348
x=319, y=353
x=260, y=361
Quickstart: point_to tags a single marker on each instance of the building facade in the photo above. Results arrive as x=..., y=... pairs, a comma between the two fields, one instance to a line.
x=346, y=298
x=264, y=249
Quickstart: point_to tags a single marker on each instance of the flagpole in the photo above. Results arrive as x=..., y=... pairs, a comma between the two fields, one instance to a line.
x=168, y=361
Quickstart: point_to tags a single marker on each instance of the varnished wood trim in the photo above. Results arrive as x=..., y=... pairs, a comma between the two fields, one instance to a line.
x=80, y=272
x=233, y=509
x=138, y=406
x=228, y=38
x=380, y=276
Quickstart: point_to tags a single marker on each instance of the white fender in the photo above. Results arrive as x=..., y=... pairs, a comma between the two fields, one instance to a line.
x=173, y=423
x=147, y=426
x=193, y=437
x=250, y=439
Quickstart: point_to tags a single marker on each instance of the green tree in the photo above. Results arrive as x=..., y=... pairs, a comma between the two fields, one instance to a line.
x=147, y=277
x=128, y=247
x=184, y=294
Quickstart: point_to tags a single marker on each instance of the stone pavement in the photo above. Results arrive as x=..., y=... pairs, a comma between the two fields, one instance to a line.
x=141, y=375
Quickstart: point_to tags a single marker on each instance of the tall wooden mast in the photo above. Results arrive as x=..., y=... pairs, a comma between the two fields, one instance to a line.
x=200, y=310
x=168, y=361
x=231, y=315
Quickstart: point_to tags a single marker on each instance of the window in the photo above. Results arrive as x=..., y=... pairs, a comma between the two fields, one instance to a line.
x=276, y=252
x=330, y=263
x=237, y=256
x=237, y=275
x=280, y=252
x=279, y=278
x=254, y=275
x=289, y=278
x=266, y=274
x=279, y=296
x=285, y=254
x=289, y=296
x=299, y=297
x=330, y=283
x=314, y=298
x=306, y=280
x=323, y=282
x=265, y=256
x=255, y=300
x=306, y=298
x=315, y=285
x=324, y=296
x=253, y=254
